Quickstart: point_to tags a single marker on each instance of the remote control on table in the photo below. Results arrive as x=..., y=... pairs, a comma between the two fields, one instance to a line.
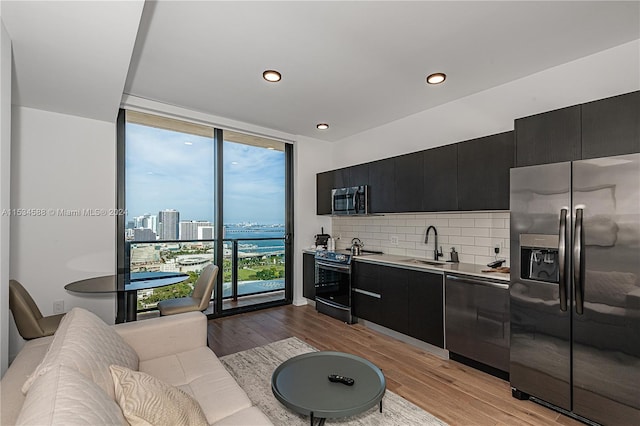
x=341, y=379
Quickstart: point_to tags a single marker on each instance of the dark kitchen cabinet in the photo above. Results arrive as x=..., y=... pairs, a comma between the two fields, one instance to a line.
x=324, y=185
x=365, y=295
x=341, y=177
x=394, y=289
x=483, y=172
x=550, y=137
x=382, y=194
x=403, y=300
x=611, y=126
x=426, y=314
x=309, y=276
x=359, y=175
x=440, y=169
x=409, y=182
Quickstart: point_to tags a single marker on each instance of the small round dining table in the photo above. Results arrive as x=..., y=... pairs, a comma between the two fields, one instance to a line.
x=137, y=281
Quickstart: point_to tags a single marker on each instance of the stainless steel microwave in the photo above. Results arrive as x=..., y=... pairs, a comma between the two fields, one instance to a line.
x=353, y=200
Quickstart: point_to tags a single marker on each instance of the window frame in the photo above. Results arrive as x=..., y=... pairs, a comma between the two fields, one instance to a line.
x=122, y=255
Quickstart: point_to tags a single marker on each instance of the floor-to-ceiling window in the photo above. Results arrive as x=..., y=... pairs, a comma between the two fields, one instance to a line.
x=254, y=219
x=196, y=195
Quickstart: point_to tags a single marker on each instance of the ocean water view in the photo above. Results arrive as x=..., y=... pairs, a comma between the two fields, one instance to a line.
x=252, y=246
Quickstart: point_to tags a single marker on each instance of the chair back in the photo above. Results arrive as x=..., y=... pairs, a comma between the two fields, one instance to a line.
x=25, y=311
x=204, y=286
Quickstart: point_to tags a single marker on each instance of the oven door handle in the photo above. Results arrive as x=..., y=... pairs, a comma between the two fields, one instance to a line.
x=333, y=267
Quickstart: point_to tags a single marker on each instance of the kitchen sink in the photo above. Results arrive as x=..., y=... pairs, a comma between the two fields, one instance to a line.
x=426, y=262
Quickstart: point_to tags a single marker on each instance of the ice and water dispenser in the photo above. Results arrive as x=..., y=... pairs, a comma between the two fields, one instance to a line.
x=539, y=259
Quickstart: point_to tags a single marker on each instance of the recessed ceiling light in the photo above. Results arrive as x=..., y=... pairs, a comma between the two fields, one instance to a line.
x=270, y=147
x=188, y=143
x=271, y=76
x=436, y=78
x=322, y=126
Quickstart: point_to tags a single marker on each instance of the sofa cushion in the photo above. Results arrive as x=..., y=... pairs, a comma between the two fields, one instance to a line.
x=147, y=401
x=85, y=343
x=11, y=399
x=63, y=396
x=199, y=373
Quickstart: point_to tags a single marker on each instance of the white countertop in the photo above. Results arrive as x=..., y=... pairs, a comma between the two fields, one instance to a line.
x=406, y=263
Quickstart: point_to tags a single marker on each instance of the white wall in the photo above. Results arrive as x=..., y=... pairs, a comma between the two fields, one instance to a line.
x=310, y=157
x=607, y=73
x=62, y=162
x=5, y=189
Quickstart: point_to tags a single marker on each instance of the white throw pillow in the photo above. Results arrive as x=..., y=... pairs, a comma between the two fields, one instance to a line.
x=63, y=396
x=85, y=343
x=148, y=401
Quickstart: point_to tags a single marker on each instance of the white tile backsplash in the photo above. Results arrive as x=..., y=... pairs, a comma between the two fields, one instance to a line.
x=473, y=234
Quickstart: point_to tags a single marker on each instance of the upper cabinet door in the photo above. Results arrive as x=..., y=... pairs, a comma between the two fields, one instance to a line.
x=382, y=194
x=324, y=185
x=409, y=182
x=483, y=172
x=550, y=137
x=341, y=178
x=359, y=175
x=611, y=126
x=440, y=179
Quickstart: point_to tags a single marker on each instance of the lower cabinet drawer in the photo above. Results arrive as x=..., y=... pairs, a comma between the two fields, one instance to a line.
x=366, y=305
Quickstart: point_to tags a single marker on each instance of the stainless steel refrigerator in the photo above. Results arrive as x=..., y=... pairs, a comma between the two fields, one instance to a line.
x=575, y=287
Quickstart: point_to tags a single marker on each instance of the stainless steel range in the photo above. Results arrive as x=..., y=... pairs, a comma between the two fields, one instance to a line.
x=333, y=285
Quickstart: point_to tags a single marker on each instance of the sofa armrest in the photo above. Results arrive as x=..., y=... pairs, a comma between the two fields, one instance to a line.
x=157, y=337
x=632, y=299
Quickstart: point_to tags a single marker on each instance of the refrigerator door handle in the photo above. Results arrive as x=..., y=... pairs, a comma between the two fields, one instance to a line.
x=562, y=259
x=578, y=266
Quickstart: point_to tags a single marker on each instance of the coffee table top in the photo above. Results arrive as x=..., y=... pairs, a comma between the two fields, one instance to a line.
x=301, y=384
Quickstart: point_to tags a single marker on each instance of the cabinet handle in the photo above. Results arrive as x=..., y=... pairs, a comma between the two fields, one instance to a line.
x=479, y=281
x=368, y=293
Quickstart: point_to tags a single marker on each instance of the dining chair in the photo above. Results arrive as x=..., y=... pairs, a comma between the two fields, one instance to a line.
x=199, y=299
x=29, y=320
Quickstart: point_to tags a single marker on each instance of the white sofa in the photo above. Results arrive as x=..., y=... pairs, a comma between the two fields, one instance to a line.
x=171, y=348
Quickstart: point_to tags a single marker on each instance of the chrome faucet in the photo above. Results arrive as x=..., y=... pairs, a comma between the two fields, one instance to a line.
x=436, y=253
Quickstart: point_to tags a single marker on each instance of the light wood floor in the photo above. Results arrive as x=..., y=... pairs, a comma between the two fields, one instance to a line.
x=453, y=392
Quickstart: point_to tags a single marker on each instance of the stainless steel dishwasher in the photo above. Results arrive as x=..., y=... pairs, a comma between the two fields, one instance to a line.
x=477, y=321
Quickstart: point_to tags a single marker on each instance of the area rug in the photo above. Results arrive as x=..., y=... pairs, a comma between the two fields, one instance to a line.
x=253, y=368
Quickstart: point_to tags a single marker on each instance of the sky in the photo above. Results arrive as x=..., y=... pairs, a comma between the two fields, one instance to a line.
x=172, y=170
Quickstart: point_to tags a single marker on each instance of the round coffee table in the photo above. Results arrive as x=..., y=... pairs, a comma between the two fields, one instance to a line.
x=302, y=385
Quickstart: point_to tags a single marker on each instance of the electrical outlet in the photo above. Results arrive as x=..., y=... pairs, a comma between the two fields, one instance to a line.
x=58, y=307
x=497, y=248
x=394, y=240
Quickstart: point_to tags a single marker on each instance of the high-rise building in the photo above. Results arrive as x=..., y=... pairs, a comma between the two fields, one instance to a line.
x=148, y=221
x=205, y=233
x=143, y=234
x=190, y=230
x=168, y=221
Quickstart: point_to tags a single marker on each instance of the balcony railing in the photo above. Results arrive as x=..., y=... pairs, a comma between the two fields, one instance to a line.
x=251, y=266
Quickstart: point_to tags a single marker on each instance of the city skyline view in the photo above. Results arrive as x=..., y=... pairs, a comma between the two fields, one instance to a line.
x=172, y=170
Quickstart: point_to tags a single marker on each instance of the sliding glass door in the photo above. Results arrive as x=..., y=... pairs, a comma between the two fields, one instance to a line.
x=195, y=195
x=254, y=188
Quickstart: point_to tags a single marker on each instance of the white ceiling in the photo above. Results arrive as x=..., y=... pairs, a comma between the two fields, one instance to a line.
x=354, y=65
x=71, y=57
